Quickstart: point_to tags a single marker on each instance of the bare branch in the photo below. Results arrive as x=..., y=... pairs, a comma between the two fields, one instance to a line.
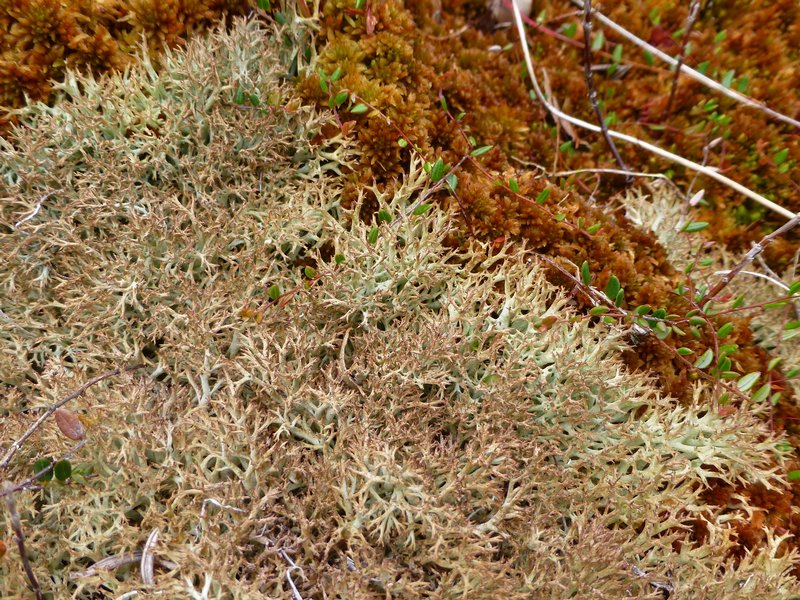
x=690, y=21
x=588, y=75
x=16, y=525
x=748, y=258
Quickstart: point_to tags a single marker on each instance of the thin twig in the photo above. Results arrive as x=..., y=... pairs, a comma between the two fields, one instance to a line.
x=694, y=9
x=748, y=258
x=558, y=114
x=36, y=476
x=589, y=76
x=689, y=72
x=16, y=525
x=16, y=445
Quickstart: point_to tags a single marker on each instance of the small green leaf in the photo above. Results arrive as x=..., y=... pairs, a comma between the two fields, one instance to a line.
x=402, y=143
x=479, y=151
x=720, y=37
x=422, y=209
x=774, y=305
x=725, y=330
x=360, y=108
x=648, y=58
x=594, y=228
x=695, y=226
x=598, y=42
x=616, y=55
x=742, y=84
x=566, y=147
x=781, y=156
x=586, y=275
x=339, y=259
x=239, y=97
x=542, y=196
x=360, y=4
x=739, y=302
x=620, y=298
x=513, y=185
x=274, y=292
x=560, y=217
x=62, y=470
x=310, y=272
x=684, y=351
x=443, y=102
x=323, y=81
x=384, y=216
x=793, y=475
x=336, y=75
x=661, y=330
x=727, y=79
x=598, y=310
x=612, y=288
x=794, y=288
x=438, y=170
x=702, y=68
x=41, y=465
x=644, y=309
x=452, y=182
x=774, y=363
x=761, y=393
x=705, y=359
x=748, y=381
x=372, y=236
x=570, y=29
x=340, y=98
x=263, y=4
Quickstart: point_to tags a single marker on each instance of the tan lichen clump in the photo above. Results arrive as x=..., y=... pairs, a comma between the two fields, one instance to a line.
x=402, y=420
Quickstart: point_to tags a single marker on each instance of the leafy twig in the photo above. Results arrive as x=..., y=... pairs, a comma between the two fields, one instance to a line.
x=17, y=444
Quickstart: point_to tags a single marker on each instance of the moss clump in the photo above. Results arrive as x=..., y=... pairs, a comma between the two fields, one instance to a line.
x=404, y=59
x=40, y=39
x=405, y=419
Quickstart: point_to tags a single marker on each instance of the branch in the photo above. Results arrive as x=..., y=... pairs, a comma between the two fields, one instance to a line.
x=748, y=258
x=694, y=9
x=16, y=445
x=587, y=73
x=16, y=525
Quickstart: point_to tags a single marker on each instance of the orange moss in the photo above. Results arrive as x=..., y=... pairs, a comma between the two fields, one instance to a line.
x=40, y=38
x=405, y=70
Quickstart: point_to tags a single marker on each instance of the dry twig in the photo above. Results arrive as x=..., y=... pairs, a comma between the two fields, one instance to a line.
x=18, y=444
x=588, y=75
x=16, y=525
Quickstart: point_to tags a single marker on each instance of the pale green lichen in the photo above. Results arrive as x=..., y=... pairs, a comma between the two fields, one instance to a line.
x=409, y=422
